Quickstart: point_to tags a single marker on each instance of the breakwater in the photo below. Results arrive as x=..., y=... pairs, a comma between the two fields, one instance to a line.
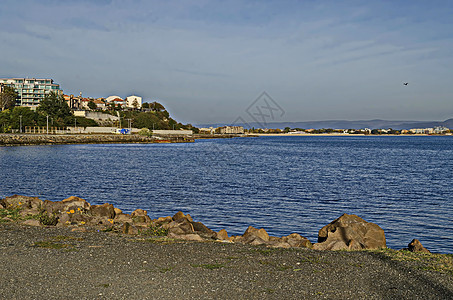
x=44, y=139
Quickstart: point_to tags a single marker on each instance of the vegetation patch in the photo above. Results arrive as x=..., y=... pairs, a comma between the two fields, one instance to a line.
x=47, y=220
x=209, y=266
x=155, y=231
x=52, y=245
x=442, y=263
x=67, y=238
x=11, y=213
x=165, y=270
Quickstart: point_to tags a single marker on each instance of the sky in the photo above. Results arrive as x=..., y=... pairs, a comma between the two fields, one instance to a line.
x=210, y=61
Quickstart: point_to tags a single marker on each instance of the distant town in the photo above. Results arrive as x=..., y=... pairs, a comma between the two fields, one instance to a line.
x=25, y=107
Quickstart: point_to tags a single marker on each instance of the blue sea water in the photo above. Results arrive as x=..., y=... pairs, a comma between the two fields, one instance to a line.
x=282, y=184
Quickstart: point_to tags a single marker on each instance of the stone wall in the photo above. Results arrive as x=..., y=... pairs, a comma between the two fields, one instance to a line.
x=43, y=139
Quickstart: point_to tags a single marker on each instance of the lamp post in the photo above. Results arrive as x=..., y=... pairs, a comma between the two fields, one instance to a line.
x=20, y=123
x=130, y=124
x=47, y=124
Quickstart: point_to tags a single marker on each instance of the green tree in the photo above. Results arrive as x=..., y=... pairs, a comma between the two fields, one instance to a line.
x=8, y=98
x=54, y=106
x=28, y=116
x=92, y=105
x=156, y=106
x=135, y=104
x=145, y=105
x=5, y=117
x=287, y=129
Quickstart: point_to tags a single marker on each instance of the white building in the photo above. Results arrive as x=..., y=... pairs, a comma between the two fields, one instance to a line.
x=134, y=101
x=231, y=130
x=112, y=98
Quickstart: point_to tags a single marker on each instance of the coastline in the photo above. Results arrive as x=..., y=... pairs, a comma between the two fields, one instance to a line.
x=7, y=139
x=342, y=134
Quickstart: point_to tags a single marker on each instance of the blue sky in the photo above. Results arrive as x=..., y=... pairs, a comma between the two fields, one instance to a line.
x=207, y=61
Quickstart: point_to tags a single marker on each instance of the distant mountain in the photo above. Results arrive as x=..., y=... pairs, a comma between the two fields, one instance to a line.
x=343, y=124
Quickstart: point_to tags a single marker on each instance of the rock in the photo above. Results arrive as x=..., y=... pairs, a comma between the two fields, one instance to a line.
x=64, y=219
x=254, y=240
x=123, y=218
x=21, y=201
x=29, y=212
x=53, y=207
x=350, y=232
x=105, y=210
x=127, y=228
x=176, y=231
x=31, y=222
x=1, y=205
x=203, y=231
x=186, y=237
x=162, y=220
x=222, y=235
x=139, y=212
x=117, y=211
x=94, y=220
x=77, y=202
x=253, y=232
x=185, y=225
x=416, y=246
x=72, y=203
x=141, y=219
x=296, y=240
x=279, y=244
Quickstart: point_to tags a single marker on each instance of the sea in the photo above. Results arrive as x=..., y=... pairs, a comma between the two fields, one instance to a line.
x=282, y=184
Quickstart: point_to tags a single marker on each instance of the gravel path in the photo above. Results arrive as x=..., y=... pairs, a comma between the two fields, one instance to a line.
x=55, y=263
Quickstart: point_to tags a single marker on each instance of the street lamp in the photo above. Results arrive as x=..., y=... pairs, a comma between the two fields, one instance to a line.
x=20, y=123
x=47, y=124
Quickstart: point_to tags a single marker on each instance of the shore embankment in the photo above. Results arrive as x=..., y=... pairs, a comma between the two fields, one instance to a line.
x=58, y=139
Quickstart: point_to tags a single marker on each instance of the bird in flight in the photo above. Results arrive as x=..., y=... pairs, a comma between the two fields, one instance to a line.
x=405, y=83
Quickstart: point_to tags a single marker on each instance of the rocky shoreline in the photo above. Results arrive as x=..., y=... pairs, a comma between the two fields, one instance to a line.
x=71, y=249
x=348, y=232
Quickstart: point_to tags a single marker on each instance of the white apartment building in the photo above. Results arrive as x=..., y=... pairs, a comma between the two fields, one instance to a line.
x=231, y=130
x=31, y=90
x=134, y=101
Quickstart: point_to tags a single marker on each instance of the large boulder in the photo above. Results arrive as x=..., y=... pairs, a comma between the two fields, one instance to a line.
x=180, y=215
x=252, y=236
x=222, y=235
x=127, y=228
x=203, y=230
x=140, y=216
x=179, y=227
x=352, y=233
x=252, y=232
x=71, y=204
